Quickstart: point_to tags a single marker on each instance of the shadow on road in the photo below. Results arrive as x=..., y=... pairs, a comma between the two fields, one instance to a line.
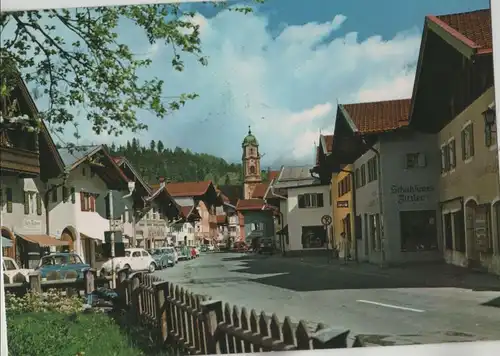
x=302, y=277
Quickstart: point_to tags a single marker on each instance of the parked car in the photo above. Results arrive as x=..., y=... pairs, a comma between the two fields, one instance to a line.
x=211, y=248
x=240, y=246
x=135, y=259
x=184, y=253
x=11, y=269
x=203, y=248
x=62, y=263
x=163, y=258
x=266, y=245
x=171, y=250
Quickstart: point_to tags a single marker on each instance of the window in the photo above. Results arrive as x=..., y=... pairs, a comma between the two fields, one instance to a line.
x=415, y=160
x=489, y=136
x=372, y=169
x=26, y=203
x=38, y=204
x=313, y=237
x=445, y=166
x=9, y=199
x=418, y=230
x=87, y=201
x=65, y=194
x=452, y=156
x=344, y=186
x=257, y=226
x=358, y=178
x=136, y=254
x=73, y=195
x=54, y=194
x=459, y=229
x=145, y=254
x=252, y=170
x=311, y=200
x=9, y=265
x=467, y=142
x=448, y=231
x=84, y=172
x=363, y=175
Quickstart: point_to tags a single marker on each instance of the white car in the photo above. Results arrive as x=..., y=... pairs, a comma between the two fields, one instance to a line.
x=135, y=259
x=174, y=252
x=11, y=269
x=211, y=247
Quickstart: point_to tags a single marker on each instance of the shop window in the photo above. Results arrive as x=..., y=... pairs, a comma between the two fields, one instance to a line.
x=418, y=230
x=314, y=237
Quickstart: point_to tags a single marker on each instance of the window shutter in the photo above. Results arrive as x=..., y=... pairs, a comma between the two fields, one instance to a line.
x=38, y=204
x=453, y=154
x=92, y=202
x=471, y=139
x=108, y=210
x=73, y=197
x=65, y=193
x=82, y=201
x=302, y=203
x=319, y=198
x=462, y=138
x=9, y=200
x=26, y=203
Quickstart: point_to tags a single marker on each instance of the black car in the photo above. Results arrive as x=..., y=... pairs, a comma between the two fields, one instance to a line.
x=266, y=245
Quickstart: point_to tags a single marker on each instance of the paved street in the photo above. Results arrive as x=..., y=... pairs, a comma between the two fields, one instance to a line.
x=403, y=306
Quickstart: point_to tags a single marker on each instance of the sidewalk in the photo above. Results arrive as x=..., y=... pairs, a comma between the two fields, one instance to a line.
x=431, y=274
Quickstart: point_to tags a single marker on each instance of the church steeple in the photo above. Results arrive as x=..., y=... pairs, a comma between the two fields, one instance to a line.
x=251, y=163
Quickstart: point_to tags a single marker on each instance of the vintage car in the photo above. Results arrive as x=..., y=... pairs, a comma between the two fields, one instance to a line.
x=184, y=253
x=67, y=265
x=266, y=245
x=135, y=259
x=13, y=272
x=164, y=257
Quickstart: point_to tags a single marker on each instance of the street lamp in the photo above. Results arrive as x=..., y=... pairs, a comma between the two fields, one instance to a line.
x=490, y=119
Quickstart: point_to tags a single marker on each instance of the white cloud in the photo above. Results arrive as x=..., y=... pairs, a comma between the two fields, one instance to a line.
x=286, y=86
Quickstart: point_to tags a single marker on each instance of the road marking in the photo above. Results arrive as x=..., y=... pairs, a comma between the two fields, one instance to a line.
x=390, y=306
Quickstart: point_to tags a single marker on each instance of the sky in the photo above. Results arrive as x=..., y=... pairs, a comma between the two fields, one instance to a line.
x=282, y=70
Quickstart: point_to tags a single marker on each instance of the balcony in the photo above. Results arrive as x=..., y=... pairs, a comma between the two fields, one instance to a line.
x=19, y=160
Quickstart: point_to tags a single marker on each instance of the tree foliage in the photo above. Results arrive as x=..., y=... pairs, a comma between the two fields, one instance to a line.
x=97, y=71
x=177, y=165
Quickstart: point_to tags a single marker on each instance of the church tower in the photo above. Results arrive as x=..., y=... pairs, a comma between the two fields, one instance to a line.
x=251, y=164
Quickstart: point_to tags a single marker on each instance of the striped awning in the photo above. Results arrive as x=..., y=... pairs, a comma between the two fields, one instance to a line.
x=43, y=240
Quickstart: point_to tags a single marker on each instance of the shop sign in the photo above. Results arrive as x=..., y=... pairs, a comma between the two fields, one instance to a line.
x=411, y=193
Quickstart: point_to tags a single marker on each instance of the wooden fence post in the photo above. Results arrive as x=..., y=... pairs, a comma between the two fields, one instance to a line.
x=35, y=281
x=134, y=295
x=161, y=295
x=330, y=338
x=212, y=316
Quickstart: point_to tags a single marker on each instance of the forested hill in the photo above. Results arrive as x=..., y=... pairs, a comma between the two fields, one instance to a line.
x=177, y=165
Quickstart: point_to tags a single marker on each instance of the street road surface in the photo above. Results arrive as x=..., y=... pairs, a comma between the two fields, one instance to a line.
x=392, y=309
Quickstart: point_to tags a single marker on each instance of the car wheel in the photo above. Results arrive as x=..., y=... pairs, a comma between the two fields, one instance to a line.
x=152, y=267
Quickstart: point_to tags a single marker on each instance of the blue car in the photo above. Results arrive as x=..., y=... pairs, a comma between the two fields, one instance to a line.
x=62, y=263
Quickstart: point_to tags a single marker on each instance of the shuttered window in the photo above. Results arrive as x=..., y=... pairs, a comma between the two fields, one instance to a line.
x=9, y=200
x=73, y=195
x=38, y=204
x=26, y=203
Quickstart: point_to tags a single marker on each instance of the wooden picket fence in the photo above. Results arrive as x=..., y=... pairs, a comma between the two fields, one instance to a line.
x=198, y=325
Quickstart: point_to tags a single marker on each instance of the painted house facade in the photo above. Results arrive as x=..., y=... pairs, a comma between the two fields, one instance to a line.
x=28, y=160
x=307, y=200
x=459, y=109
x=257, y=218
x=78, y=203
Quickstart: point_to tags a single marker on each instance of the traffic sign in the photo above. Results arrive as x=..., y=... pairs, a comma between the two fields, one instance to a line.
x=326, y=220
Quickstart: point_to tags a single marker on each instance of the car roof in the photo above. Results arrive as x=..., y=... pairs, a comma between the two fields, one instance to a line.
x=134, y=249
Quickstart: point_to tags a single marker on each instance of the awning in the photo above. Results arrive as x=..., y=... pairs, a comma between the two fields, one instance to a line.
x=6, y=242
x=43, y=240
x=87, y=237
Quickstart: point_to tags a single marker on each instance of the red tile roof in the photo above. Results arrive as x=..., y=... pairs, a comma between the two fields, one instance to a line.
x=260, y=190
x=188, y=189
x=379, y=116
x=473, y=28
x=250, y=204
x=273, y=174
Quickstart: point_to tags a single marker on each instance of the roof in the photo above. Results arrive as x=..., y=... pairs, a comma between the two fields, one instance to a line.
x=232, y=192
x=71, y=157
x=43, y=240
x=260, y=190
x=294, y=177
x=272, y=175
x=327, y=143
x=189, y=211
x=379, y=116
x=122, y=161
x=473, y=28
x=250, y=204
x=188, y=189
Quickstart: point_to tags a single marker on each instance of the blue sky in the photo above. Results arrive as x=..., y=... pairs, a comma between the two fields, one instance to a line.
x=282, y=70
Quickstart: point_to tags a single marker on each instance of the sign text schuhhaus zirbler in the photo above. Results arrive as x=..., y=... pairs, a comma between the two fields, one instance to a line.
x=411, y=193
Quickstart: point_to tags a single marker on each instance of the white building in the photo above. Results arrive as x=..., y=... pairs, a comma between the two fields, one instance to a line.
x=396, y=177
x=78, y=206
x=304, y=200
